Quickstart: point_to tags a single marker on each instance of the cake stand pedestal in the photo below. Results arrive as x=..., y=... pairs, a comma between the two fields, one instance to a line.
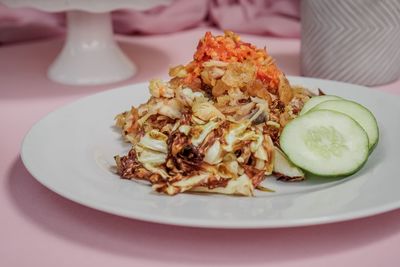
x=90, y=54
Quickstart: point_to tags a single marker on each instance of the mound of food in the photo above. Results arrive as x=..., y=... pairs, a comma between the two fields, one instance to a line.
x=215, y=126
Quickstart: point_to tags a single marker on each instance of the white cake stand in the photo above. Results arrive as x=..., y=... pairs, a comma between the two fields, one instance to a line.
x=90, y=54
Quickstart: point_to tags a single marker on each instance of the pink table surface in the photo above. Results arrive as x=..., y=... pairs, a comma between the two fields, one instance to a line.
x=41, y=228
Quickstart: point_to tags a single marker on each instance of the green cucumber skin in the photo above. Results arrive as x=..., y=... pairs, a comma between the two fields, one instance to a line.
x=344, y=175
x=372, y=148
x=371, y=145
x=333, y=175
x=326, y=97
x=336, y=176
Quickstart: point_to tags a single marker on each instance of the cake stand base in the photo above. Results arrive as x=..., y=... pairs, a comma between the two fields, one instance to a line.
x=90, y=54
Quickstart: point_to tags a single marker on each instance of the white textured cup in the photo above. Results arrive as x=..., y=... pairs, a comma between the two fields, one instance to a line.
x=355, y=41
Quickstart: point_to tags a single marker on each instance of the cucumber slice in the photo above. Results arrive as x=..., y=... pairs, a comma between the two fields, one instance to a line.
x=357, y=112
x=325, y=143
x=315, y=101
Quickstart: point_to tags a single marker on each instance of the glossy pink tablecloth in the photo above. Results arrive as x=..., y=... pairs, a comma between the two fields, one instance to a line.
x=40, y=228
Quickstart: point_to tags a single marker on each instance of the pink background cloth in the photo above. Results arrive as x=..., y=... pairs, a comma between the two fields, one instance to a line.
x=41, y=228
x=265, y=17
x=276, y=18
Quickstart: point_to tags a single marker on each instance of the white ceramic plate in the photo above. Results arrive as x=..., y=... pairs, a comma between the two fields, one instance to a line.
x=71, y=151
